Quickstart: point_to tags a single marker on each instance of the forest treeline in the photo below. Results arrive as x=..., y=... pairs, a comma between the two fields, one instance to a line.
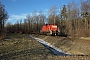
x=72, y=19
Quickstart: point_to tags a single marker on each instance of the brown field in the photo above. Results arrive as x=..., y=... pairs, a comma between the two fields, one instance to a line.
x=21, y=47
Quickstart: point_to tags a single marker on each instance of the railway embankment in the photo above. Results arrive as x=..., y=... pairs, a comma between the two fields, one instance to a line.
x=78, y=46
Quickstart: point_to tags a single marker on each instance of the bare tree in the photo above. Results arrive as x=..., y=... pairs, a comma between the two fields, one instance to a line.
x=35, y=21
x=72, y=17
x=29, y=22
x=3, y=18
x=41, y=20
x=20, y=24
x=25, y=25
x=8, y=27
x=52, y=14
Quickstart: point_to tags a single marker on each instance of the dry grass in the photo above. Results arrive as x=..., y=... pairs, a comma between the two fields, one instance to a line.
x=85, y=38
x=21, y=47
x=70, y=46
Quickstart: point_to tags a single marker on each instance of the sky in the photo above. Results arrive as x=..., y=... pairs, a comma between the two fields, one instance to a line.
x=18, y=9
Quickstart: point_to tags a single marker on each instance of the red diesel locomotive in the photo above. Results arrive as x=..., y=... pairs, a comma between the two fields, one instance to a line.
x=50, y=29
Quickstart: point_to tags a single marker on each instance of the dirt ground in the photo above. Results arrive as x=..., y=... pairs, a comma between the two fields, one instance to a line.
x=21, y=47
